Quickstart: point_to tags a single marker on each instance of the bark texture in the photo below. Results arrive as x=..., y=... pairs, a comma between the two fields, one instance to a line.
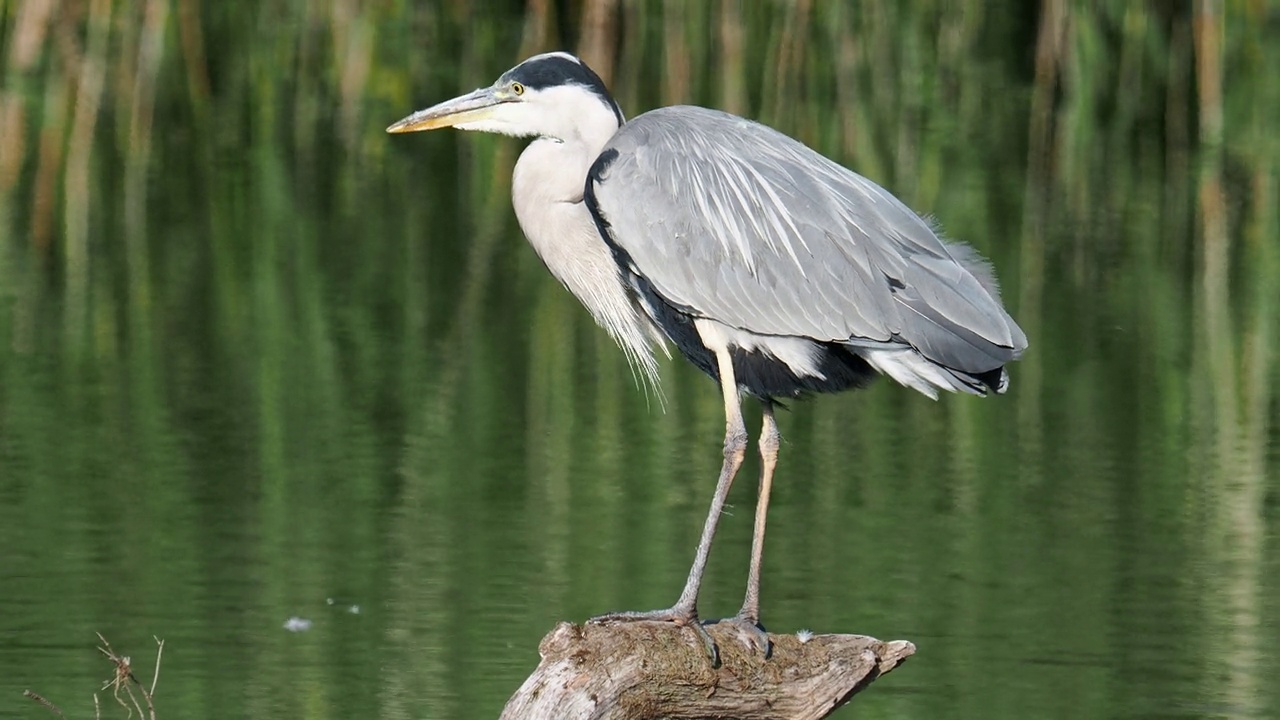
x=649, y=670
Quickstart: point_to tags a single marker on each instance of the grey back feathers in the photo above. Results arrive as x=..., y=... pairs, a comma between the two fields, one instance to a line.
x=731, y=220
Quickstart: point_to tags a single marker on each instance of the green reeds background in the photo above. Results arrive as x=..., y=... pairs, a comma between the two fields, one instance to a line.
x=254, y=352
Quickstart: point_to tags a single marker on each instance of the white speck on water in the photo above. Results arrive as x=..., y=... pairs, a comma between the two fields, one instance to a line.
x=354, y=609
x=297, y=624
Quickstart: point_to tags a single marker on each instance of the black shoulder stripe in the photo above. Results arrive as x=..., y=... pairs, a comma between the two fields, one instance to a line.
x=597, y=175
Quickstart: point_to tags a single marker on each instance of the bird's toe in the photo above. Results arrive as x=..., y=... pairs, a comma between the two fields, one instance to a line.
x=749, y=632
x=683, y=617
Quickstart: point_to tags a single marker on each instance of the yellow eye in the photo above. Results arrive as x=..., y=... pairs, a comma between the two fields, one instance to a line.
x=517, y=88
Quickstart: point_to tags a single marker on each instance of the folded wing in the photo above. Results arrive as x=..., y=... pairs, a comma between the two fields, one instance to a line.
x=730, y=220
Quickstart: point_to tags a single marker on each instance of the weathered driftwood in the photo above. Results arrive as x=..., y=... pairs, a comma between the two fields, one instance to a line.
x=643, y=670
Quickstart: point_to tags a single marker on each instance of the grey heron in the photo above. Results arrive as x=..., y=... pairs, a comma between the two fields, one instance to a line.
x=775, y=270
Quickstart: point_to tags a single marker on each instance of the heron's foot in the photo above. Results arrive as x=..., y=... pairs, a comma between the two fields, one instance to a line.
x=750, y=633
x=681, y=617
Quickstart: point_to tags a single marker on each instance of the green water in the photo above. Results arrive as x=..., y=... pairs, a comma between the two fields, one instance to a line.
x=261, y=361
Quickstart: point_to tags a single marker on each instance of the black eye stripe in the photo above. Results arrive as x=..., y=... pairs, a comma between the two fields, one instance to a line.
x=555, y=70
x=542, y=73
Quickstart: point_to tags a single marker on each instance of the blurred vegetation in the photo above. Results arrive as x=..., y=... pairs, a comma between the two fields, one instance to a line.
x=215, y=266
x=1077, y=116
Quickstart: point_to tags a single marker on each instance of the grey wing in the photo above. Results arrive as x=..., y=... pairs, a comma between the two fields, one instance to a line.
x=736, y=222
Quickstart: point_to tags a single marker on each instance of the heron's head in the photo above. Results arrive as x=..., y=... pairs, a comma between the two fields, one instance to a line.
x=552, y=95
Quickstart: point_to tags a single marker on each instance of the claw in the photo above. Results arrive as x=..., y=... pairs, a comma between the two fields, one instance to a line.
x=750, y=633
x=679, y=616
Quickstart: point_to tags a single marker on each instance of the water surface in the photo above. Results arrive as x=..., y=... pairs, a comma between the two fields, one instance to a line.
x=268, y=363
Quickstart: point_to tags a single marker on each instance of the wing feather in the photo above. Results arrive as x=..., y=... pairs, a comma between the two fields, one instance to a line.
x=731, y=220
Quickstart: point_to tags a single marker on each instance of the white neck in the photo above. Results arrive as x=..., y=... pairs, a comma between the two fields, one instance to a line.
x=570, y=141
x=547, y=192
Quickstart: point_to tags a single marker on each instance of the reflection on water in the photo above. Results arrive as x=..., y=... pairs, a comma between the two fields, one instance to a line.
x=287, y=366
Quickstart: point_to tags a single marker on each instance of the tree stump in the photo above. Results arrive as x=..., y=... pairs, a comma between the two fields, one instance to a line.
x=649, y=670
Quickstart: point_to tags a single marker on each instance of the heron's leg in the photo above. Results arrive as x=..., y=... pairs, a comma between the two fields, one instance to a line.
x=685, y=611
x=747, y=620
x=735, y=448
x=769, y=438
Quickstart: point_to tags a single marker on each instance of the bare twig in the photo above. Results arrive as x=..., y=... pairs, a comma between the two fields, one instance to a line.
x=134, y=699
x=124, y=673
x=155, y=677
x=126, y=680
x=44, y=701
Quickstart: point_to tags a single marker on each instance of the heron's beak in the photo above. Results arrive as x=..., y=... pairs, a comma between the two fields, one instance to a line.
x=472, y=107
